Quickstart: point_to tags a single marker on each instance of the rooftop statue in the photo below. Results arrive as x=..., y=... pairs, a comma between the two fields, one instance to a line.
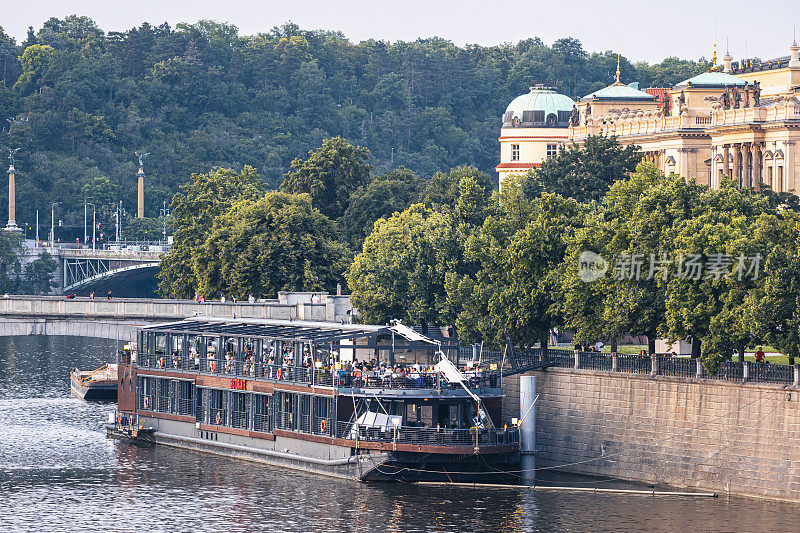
x=141, y=157
x=726, y=99
x=574, y=118
x=756, y=92
x=11, y=153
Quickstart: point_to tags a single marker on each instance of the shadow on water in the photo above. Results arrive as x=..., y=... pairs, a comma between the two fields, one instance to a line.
x=59, y=472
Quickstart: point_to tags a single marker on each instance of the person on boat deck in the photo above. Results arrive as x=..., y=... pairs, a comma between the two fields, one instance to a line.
x=195, y=356
x=228, y=362
x=176, y=358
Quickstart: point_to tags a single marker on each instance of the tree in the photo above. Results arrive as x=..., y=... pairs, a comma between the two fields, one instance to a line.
x=775, y=304
x=143, y=229
x=400, y=272
x=631, y=231
x=39, y=274
x=9, y=263
x=443, y=187
x=515, y=291
x=380, y=198
x=329, y=175
x=585, y=173
x=35, y=61
x=194, y=210
x=278, y=242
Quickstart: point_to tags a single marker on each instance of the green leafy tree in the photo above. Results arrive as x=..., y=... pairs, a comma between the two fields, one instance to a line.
x=516, y=289
x=143, y=229
x=330, y=175
x=278, y=242
x=585, y=173
x=39, y=274
x=193, y=211
x=36, y=60
x=775, y=304
x=380, y=198
x=400, y=272
x=443, y=187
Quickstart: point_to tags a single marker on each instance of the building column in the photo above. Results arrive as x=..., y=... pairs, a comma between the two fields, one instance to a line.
x=12, y=200
x=737, y=163
x=726, y=163
x=788, y=167
x=747, y=165
x=755, y=158
x=140, y=202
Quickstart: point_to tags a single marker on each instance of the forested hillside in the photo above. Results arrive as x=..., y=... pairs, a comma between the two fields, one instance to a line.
x=79, y=101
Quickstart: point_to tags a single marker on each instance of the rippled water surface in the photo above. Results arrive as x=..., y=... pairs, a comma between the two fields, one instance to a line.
x=58, y=472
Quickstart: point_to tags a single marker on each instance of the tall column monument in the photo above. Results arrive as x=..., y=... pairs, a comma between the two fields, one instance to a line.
x=12, y=193
x=140, y=202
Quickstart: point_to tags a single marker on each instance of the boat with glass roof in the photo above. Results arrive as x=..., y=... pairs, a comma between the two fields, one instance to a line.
x=355, y=401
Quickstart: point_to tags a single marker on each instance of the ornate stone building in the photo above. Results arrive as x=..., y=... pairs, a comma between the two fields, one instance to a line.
x=740, y=120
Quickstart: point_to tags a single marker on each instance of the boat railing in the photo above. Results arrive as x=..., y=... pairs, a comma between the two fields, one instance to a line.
x=429, y=436
x=324, y=376
x=126, y=421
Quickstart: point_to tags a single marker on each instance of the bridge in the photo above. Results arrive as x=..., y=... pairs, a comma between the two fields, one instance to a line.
x=118, y=318
x=84, y=270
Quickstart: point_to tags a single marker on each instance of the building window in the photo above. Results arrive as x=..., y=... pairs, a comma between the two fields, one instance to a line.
x=515, y=152
x=552, y=150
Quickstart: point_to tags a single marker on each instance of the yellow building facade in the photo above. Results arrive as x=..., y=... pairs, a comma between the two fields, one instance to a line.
x=742, y=122
x=534, y=126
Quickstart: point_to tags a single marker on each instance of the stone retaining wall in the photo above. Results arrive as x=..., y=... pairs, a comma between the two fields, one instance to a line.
x=690, y=433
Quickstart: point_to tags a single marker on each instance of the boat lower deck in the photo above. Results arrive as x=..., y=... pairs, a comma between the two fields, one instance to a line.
x=343, y=459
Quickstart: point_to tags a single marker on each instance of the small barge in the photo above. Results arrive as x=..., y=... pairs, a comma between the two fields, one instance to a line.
x=315, y=396
x=100, y=384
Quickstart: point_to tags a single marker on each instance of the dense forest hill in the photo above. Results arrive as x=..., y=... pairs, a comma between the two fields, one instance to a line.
x=79, y=102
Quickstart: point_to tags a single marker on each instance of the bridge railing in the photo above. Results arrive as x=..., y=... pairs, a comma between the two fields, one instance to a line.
x=127, y=254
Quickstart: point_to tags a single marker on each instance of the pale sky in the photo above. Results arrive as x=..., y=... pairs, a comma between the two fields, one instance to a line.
x=643, y=29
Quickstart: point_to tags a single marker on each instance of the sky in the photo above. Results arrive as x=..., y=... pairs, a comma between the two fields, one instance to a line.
x=641, y=30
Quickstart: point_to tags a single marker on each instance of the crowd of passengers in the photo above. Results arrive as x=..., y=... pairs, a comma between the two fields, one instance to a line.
x=328, y=367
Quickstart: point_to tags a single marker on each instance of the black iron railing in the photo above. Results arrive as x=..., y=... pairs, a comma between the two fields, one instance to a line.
x=428, y=436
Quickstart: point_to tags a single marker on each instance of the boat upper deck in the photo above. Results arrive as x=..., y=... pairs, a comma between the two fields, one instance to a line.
x=353, y=359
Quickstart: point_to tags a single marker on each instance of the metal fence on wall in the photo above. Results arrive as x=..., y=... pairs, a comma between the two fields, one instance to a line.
x=659, y=365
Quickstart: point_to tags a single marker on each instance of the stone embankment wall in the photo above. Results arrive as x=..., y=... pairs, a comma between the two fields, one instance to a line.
x=725, y=437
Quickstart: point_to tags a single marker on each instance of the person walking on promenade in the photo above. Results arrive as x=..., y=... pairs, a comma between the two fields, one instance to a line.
x=759, y=355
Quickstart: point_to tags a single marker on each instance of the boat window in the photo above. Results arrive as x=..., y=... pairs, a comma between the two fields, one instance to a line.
x=261, y=413
x=239, y=410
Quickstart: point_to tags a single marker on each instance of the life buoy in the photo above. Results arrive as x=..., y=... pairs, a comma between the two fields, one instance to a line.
x=322, y=426
x=146, y=402
x=219, y=417
x=213, y=367
x=119, y=418
x=160, y=362
x=279, y=374
x=130, y=420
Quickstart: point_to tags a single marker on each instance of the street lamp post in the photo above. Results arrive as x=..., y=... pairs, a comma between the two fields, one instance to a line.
x=53, y=226
x=85, y=233
x=164, y=213
x=94, y=224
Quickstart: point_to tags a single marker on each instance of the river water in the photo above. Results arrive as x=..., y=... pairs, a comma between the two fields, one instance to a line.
x=59, y=472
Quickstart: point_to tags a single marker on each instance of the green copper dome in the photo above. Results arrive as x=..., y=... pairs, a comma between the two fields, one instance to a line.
x=541, y=107
x=619, y=91
x=711, y=79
